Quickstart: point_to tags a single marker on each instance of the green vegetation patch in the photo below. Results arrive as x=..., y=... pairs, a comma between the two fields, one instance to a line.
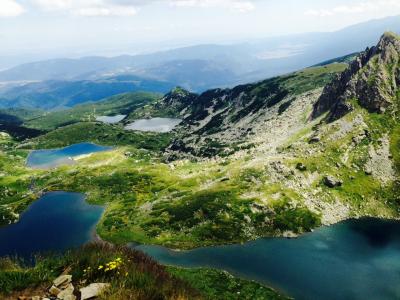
x=103, y=134
x=221, y=285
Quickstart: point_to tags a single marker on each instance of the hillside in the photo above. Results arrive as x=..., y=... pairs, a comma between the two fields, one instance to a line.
x=222, y=120
x=120, y=104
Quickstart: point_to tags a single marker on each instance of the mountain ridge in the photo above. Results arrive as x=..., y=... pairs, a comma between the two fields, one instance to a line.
x=375, y=96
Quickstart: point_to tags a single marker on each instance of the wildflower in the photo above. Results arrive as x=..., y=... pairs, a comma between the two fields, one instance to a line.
x=100, y=267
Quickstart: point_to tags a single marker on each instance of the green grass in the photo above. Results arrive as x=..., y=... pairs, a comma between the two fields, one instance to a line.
x=103, y=134
x=312, y=78
x=221, y=285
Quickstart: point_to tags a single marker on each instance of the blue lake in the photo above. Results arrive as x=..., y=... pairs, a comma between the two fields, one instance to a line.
x=356, y=259
x=55, y=222
x=154, y=124
x=44, y=159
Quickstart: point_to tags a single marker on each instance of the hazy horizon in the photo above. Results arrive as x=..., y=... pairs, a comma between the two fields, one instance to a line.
x=45, y=29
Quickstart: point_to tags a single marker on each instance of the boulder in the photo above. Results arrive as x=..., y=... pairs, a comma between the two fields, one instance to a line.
x=301, y=167
x=67, y=293
x=93, y=290
x=69, y=297
x=63, y=280
x=332, y=182
x=314, y=139
x=54, y=290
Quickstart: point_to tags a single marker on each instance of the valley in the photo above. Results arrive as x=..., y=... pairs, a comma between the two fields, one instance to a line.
x=259, y=162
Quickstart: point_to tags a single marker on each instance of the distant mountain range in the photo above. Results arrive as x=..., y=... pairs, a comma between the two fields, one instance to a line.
x=66, y=82
x=58, y=94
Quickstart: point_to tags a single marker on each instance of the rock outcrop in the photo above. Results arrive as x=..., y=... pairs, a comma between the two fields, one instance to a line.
x=63, y=289
x=373, y=79
x=93, y=290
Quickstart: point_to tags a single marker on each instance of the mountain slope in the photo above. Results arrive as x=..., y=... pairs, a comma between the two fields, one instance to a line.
x=219, y=121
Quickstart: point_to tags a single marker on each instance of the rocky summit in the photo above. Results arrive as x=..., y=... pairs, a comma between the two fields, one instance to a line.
x=373, y=79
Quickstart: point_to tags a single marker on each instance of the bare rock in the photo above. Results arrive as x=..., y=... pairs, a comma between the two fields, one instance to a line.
x=369, y=79
x=67, y=293
x=63, y=280
x=332, y=182
x=54, y=290
x=301, y=167
x=93, y=290
x=314, y=139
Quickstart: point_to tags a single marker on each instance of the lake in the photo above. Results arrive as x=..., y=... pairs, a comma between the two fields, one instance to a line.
x=45, y=159
x=154, y=124
x=111, y=119
x=356, y=259
x=55, y=222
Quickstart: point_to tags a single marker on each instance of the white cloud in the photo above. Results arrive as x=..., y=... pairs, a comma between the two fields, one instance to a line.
x=10, y=8
x=104, y=11
x=53, y=4
x=358, y=8
x=234, y=5
x=88, y=8
x=103, y=8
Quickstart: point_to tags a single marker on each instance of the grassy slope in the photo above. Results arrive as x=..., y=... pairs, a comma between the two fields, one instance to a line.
x=295, y=83
x=120, y=104
x=15, y=180
x=100, y=133
x=18, y=115
x=221, y=285
x=135, y=277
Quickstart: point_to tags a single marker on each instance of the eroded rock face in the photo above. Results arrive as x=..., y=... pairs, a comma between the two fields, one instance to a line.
x=373, y=78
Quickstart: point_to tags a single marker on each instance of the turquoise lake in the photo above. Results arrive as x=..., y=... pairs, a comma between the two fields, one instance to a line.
x=55, y=222
x=356, y=259
x=45, y=159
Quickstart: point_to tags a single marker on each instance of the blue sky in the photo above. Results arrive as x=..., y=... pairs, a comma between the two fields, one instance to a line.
x=82, y=27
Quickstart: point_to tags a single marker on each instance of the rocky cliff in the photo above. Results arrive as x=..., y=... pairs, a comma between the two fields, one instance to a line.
x=372, y=80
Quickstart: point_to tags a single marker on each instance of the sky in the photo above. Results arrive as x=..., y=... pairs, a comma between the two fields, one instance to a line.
x=74, y=28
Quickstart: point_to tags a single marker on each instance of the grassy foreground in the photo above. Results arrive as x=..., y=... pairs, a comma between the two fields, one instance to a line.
x=132, y=275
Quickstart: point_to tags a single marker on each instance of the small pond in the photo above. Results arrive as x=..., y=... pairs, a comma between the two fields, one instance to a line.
x=154, y=124
x=111, y=119
x=55, y=222
x=45, y=159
